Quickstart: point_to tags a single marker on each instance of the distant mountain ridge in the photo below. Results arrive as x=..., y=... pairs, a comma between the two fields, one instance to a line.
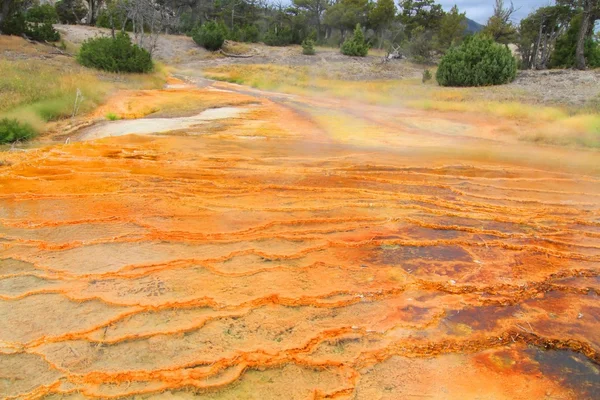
x=473, y=27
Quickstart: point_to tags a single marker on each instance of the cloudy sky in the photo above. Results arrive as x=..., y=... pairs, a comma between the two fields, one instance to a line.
x=480, y=10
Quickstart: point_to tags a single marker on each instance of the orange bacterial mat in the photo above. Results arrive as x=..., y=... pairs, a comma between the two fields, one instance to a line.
x=269, y=257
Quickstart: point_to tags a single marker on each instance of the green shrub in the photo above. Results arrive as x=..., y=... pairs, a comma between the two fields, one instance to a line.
x=250, y=34
x=42, y=14
x=53, y=109
x=114, y=55
x=427, y=76
x=211, y=35
x=356, y=45
x=112, y=117
x=14, y=24
x=12, y=130
x=42, y=32
x=70, y=11
x=279, y=37
x=478, y=61
x=35, y=24
x=308, y=47
x=246, y=33
x=38, y=23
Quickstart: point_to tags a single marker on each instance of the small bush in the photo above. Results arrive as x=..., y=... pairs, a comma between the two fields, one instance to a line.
x=427, y=76
x=356, y=45
x=35, y=24
x=12, y=130
x=250, y=34
x=246, y=33
x=42, y=32
x=114, y=55
x=279, y=37
x=112, y=117
x=210, y=35
x=479, y=61
x=39, y=20
x=308, y=47
x=53, y=109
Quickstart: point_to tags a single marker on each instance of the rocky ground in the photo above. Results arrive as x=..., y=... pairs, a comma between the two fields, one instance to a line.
x=571, y=87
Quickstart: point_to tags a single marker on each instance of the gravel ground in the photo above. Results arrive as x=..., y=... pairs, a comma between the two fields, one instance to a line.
x=572, y=87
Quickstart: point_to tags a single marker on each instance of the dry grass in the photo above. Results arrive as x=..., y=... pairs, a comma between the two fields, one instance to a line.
x=551, y=125
x=579, y=130
x=238, y=48
x=302, y=80
x=37, y=86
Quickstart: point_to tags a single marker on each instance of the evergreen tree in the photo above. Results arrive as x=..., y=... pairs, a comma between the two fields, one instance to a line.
x=424, y=13
x=478, y=61
x=453, y=27
x=381, y=16
x=564, y=55
x=499, y=27
x=356, y=45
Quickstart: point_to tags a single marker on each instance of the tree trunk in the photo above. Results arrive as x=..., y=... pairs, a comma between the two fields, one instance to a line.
x=112, y=26
x=5, y=10
x=583, y=29
x=90, y=16
x=318, y=28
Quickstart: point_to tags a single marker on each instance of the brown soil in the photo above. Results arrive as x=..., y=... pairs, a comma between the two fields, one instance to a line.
x=290, y=254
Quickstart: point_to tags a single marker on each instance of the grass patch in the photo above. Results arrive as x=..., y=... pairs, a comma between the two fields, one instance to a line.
x=112, y=117
x=510, y=110
x=12, y=130
x=51, y=94
x=236, y=48
x=302, y=80
x=578, y=130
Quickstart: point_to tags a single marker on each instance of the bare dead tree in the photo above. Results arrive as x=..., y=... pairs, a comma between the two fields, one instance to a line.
x=148, y=19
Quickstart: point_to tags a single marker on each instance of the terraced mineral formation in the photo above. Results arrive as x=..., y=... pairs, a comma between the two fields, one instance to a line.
x=271, y=256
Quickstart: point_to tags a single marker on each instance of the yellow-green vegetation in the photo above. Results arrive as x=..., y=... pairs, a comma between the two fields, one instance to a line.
x=580, y=130
x=557, y=125
x=35, y=90
x=112, y=117
x=12, y=130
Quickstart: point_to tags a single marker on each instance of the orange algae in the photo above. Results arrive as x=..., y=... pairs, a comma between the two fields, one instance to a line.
x=267, y=258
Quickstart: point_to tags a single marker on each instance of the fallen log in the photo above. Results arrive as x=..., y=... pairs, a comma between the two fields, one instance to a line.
x=237, y=55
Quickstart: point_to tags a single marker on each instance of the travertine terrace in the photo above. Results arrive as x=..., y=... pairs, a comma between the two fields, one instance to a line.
x=303, y=249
